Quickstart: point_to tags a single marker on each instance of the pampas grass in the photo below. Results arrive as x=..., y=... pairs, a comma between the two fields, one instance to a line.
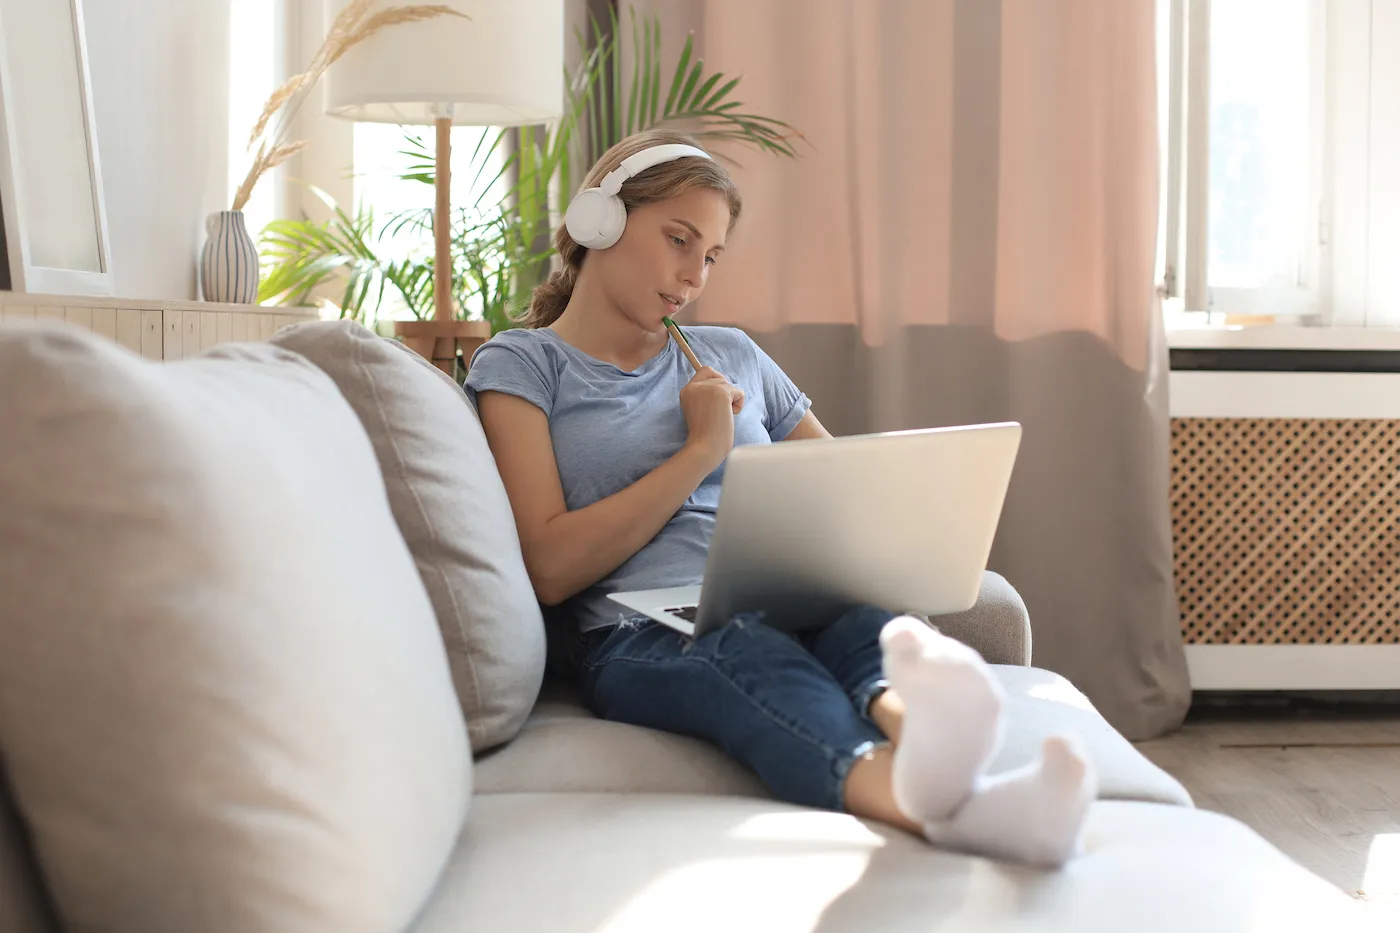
x=356, y=23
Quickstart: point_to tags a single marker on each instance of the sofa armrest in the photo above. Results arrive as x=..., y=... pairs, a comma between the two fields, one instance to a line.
x=998, y=627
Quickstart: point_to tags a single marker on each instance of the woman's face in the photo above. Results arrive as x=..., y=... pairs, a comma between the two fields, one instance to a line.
x=665, y=255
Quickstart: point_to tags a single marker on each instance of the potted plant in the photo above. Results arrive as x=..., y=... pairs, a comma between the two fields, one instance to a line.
x=500, y=251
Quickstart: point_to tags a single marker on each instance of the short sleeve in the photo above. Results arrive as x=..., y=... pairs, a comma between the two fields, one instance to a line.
x=513, y=364
x=784, y=403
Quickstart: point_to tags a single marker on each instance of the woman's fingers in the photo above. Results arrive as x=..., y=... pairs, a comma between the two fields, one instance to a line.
x=709, y=374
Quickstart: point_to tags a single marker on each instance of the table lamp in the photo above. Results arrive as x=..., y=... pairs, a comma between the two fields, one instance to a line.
x=503, y=65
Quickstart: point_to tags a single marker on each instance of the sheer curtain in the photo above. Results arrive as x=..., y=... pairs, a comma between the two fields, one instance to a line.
x=971, y=236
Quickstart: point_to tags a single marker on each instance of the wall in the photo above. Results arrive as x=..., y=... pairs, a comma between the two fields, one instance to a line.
x=160, y=99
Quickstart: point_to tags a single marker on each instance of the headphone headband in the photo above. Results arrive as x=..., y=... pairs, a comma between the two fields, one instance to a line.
x=639, y=162
x=596, y=217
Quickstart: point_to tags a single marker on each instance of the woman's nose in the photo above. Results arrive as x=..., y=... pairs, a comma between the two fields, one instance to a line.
x=693, y=273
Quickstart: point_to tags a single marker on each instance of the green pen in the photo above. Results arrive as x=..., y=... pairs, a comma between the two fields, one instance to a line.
x=675, y=330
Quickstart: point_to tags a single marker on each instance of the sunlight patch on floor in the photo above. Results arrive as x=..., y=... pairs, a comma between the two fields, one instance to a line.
x=1381, y=885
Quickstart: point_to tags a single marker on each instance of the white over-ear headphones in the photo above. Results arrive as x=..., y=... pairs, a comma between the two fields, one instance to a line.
x=596, y=217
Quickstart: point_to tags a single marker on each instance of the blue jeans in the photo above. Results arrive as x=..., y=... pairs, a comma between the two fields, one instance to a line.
x=795, y=709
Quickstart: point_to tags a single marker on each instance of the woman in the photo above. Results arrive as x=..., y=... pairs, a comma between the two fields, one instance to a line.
x=612, y=451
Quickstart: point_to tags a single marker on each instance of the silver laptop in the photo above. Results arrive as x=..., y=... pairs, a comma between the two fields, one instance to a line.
x=805, y=529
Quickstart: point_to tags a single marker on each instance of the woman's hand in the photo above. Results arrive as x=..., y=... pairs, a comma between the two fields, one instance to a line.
x=710, y=402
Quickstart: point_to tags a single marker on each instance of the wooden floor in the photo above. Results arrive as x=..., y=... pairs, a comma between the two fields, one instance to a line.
x=1324, y=788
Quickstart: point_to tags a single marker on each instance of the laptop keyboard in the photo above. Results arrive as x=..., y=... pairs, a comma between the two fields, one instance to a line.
x=687, y=613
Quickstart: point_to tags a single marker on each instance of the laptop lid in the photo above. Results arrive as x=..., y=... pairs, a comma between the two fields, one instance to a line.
x=903, y=520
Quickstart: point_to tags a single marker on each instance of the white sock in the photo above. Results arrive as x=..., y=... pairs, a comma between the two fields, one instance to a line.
x=952, y=719
x=1034, y=814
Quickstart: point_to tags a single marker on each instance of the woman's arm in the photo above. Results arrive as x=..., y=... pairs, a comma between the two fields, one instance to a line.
x=567, y=552
x=809, y=428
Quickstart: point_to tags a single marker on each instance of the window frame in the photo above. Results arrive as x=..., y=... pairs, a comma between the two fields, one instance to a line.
x=1183, y=258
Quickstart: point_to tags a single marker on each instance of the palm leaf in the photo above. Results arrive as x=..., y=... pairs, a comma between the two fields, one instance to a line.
x=654, y=71
x=638, y=67
x=678, y=78
x=615, y=52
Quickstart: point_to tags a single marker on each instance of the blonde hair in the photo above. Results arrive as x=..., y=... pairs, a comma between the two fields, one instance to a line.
x=658, y=183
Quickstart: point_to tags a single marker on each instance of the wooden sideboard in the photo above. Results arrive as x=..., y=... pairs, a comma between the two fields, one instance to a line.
x=158, y=330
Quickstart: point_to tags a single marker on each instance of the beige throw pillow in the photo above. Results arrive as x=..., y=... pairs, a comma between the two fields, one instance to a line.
x=453, y=511
x=224, y=704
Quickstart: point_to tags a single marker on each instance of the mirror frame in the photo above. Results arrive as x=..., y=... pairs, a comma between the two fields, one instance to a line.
x=25, y=276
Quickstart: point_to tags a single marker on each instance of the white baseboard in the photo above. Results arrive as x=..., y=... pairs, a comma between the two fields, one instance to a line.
x=1294, y=667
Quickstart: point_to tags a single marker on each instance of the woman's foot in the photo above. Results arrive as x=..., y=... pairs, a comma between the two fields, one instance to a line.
x=952, y=719
x=1034, y=814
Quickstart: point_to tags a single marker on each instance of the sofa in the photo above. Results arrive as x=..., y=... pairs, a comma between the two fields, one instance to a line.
x=270, y=661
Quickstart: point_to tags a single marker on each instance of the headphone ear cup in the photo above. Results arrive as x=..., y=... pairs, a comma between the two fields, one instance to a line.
x=594, y=219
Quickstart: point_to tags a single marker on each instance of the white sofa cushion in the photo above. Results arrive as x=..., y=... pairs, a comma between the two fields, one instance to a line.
x=1040, y=703
x=453, y=511
x=564, y=749
x=224, y=702
x=640, y=863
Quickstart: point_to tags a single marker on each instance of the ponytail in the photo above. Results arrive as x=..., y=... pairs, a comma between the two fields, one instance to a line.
x=549, y=300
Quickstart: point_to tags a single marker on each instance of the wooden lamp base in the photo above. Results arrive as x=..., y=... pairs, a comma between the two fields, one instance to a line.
x=439, y=341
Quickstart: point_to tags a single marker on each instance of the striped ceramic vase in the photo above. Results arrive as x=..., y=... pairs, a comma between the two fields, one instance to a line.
x=229, y=272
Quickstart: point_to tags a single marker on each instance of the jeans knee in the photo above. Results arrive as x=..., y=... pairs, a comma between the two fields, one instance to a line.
x=864, y=621
x=745, y=633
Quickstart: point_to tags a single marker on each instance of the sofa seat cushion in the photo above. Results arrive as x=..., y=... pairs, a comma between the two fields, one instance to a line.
x=451, y=507
x=581, y=754
x=623, y=863
x=563, y=748
x=224, y=702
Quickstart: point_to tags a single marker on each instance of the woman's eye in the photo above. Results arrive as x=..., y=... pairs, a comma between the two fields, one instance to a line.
x=709, y=260
x=679, y=241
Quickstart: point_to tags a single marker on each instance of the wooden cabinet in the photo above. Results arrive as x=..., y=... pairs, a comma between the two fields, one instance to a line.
x=157, y=330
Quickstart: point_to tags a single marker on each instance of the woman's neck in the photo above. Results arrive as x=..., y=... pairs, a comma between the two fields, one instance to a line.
x=598, y=327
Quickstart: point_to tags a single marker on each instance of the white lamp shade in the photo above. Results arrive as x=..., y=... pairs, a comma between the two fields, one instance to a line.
x=502, y=67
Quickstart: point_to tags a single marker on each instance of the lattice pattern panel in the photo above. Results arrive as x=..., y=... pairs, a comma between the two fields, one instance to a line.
x=1287, y=531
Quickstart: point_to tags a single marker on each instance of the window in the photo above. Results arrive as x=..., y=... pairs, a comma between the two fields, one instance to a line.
x=1280, y=122
x=384, y=153
x=257, y=32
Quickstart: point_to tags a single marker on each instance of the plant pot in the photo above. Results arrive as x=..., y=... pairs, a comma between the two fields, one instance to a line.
x=438, y=341
x=229, y=270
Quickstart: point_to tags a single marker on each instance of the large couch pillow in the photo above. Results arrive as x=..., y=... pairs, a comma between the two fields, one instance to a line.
x=224, y=704
x=453, y=511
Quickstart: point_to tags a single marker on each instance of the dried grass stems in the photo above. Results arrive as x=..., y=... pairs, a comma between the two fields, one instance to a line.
x=356, y=23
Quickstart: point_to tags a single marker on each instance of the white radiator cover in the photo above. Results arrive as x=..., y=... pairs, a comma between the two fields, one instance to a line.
x=1286, y=522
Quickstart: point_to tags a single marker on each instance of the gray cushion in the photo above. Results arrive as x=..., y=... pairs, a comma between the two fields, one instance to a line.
x=23, y=901
x=564, y=749
x=224, y=703
x=648, y=863
x=997, y=626
x=452, y=508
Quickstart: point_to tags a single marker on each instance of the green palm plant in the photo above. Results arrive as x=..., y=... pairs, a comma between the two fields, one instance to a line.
x=500, y=251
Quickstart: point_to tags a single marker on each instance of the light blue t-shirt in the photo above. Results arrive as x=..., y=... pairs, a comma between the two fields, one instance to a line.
x=610, y=428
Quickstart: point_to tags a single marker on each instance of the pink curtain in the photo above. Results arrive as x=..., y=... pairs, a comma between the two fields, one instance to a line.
x=971, y=236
